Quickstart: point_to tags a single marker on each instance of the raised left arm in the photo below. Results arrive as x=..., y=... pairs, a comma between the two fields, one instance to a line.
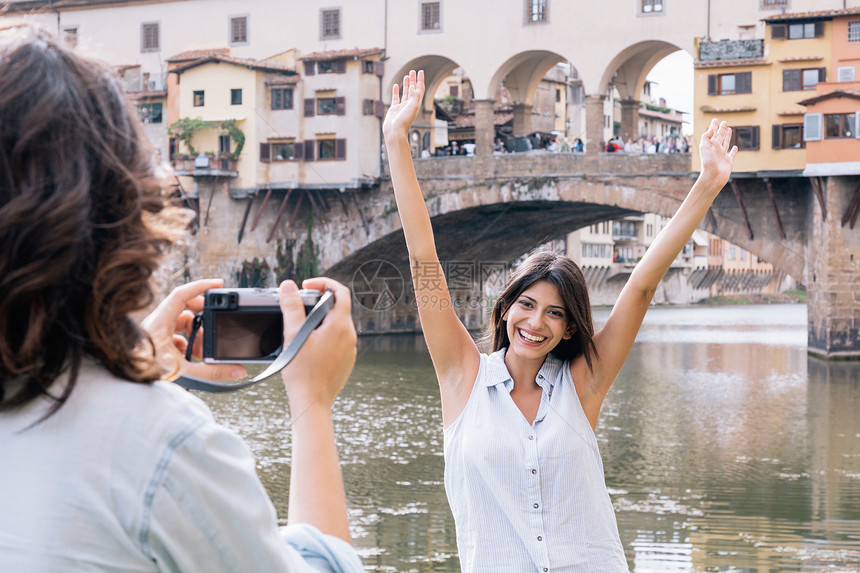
x=615, y=339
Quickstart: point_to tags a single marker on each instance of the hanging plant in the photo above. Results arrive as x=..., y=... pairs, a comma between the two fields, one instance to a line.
x=235, y=134
x=185, y=128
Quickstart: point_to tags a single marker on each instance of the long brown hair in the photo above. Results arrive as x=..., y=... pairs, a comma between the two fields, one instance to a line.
x=567, y=277
x=77, y=180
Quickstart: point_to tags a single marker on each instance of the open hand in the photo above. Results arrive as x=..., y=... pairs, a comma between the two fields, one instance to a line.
x=717, y=158
x=402, y=112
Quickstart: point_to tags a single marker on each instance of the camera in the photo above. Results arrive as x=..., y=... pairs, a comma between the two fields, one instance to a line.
x=245, y=324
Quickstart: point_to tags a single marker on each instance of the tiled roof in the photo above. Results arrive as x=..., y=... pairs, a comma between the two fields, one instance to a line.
x=800, y=59
x=660, y=115
x=245, y=62
x=849, y=93
x=197, y=54
x=731, y=63
x=819, y=14
x=32, y=5
x=337, y=54
x=282, y=81
x=740, y=109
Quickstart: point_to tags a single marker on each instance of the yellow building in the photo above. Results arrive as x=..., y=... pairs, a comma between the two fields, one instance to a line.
x=218, y=89
x=314, y=129
x=757, y=85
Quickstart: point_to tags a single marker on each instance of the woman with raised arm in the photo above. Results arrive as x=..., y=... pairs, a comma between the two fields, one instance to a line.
x=523, y=472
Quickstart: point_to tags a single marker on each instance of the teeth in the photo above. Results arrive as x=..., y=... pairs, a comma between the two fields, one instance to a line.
x=531, y=338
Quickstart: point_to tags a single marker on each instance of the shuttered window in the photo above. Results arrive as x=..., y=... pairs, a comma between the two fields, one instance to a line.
x=282, y=98
x=329, y=106
x=797, y=30
x=330, y=24
x=278, y=151
x=729, y=84
x=326, y=106
x=239, y=30
x=430, y=16
x=149, y=38
x=812, y=127
x=537, y=11
x=746, y=137
x=802, y=79
x=331, y=149
x=331, y=66
x=651, y=6
x=787, y=136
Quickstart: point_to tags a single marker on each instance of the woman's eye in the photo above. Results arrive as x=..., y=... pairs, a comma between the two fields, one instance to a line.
x=557, y=313
x=526, y=303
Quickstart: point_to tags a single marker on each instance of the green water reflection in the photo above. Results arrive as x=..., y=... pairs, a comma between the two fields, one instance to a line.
x=726, y=448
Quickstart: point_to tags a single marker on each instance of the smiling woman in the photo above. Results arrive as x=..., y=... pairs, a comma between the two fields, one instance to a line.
x=523, y=471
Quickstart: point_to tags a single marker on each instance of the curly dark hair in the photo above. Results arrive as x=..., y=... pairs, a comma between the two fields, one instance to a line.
x=567, y=277
x=78, y=182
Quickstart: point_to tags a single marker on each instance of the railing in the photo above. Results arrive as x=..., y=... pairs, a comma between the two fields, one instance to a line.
x=541, y=163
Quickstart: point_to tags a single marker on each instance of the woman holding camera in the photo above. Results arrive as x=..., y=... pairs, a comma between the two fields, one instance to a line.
x=105, y=467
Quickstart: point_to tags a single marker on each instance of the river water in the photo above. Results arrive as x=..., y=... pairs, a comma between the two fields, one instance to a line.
x=726, y=448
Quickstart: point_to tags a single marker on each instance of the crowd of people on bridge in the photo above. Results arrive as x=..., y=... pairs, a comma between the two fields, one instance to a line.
x=649, y=144
x=559, y=143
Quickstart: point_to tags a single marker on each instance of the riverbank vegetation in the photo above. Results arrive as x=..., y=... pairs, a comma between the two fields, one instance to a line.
x=787, y=297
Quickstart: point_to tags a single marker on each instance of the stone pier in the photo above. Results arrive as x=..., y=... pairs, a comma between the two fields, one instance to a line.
x=833, y=274
x=594, y=118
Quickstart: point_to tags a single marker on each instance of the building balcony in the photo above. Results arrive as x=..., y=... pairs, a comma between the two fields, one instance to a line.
x=204, y=165
x=624, y=237
x=731, y=50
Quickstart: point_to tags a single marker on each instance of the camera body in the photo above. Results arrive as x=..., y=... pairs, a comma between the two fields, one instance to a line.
x=245, y=324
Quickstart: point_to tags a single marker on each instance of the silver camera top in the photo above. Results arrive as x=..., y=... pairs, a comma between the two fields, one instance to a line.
x=232, y=298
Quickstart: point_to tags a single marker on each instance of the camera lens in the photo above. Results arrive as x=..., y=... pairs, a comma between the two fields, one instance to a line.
x=219, y=300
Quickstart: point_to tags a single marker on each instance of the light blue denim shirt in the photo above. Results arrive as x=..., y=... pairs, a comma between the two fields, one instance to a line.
x=529, y=497
x=135, y=477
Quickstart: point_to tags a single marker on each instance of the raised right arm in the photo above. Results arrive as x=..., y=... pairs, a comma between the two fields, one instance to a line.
x=454, y=354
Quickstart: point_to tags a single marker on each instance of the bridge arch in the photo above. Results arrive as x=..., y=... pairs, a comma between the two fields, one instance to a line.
x=522, y=73
x=629, y=68
x=436, y=68
x=627, y=72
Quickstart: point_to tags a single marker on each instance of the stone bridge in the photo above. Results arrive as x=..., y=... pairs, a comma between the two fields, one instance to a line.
x=489, y=210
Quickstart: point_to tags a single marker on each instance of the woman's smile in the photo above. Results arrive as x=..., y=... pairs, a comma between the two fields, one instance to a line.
x=529, y=337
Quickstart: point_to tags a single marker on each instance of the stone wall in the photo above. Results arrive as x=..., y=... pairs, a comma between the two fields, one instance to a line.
x=833, y=276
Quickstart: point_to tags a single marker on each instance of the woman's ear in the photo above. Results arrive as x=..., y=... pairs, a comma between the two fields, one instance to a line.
x=571, y=330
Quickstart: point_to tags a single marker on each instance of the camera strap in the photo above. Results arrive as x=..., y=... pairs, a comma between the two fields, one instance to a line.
x=314, y=318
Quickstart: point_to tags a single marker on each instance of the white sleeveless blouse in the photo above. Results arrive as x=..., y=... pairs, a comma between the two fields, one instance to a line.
x=529, y=498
